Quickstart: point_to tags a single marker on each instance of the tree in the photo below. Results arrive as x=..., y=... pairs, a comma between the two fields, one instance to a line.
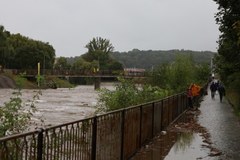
x=237, y=28
x=115, y=65
x=178, y=75
x=181, y=73
x=228, y=60
x=85, y=67
x=20, y=52
x=62, y=64
x=3, y=46
x=99, y=49
x=28, y=52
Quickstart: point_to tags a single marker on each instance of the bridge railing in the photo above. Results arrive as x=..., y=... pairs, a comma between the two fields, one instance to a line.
x=71, y=72
x=111, y=136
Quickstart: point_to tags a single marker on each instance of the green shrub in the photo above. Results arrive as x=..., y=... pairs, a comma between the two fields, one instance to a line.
x=15, y=116
x=177, y=76
x=127, y=94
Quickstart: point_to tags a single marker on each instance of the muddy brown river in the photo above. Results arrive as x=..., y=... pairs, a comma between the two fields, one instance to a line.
x=57, y=106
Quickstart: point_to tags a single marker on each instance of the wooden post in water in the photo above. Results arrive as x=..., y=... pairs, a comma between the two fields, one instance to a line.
x=97, y=82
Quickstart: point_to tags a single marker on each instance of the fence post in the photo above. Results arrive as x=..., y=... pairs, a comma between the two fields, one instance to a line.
x=162, y=115
x=140, y=127
x=40, y=144
x=153, y=107
x=122, y=134
x=94, y=138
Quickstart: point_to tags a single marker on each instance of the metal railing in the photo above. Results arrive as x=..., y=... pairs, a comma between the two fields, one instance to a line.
x=74, y=72
x=116, y=135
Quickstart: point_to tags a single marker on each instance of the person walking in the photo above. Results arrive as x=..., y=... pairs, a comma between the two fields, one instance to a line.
x=196, y=95
x=213, y=88
x=221, y=91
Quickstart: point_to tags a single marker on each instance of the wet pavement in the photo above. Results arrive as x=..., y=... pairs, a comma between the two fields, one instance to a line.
x=223, y=126
x=212, y=133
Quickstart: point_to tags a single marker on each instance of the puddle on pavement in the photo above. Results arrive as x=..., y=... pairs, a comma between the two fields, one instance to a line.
x=173, y=146
x=187, y=146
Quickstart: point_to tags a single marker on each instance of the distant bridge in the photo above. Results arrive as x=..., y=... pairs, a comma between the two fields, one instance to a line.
x=127, y=73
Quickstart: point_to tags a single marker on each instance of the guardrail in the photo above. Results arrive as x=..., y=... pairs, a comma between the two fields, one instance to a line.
x=116, y=135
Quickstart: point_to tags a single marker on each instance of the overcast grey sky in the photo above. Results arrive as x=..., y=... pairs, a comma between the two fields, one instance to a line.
x=68, y=25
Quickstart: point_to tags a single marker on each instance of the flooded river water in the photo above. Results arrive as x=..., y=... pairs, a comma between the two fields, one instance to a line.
x=57, y=106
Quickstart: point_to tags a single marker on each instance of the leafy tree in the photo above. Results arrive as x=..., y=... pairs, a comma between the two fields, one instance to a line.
x=181, y=73
x=99, y=49
x=20, y=52
x=160, y=76
x=115, y=65
x=84, y=66
x=237, y=28
x=62, y=64
x=228, y=60
x=28, y=52
x=4, y=58
x=202, y=73
x=178, y=75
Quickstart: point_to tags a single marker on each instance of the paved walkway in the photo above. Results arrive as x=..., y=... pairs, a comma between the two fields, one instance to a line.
x=223, y=126
x=219, y=120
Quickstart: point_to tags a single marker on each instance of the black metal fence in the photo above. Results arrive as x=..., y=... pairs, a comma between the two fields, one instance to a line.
x=115, y=135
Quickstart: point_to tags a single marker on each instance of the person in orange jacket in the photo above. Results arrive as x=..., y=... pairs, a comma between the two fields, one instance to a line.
x=195, y=89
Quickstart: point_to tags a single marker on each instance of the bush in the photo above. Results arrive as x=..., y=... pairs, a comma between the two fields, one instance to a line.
x=177, y=76
x=233, y=90
x=15, y=116
x=127, y=94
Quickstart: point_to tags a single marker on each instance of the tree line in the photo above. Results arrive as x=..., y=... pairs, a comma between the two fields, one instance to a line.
x=98, y=57
x=149, y=59
x=228, y=58
x=20, y=52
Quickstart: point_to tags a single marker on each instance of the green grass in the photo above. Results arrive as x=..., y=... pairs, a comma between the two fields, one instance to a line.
x=62, y=83
x=26, y=84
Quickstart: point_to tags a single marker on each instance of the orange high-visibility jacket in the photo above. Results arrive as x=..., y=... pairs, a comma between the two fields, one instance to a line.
x=195, y=90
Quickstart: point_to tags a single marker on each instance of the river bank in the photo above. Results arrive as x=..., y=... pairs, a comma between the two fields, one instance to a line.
x=9, y=80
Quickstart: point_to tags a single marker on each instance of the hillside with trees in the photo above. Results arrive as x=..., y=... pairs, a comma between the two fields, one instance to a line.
x=150, y=59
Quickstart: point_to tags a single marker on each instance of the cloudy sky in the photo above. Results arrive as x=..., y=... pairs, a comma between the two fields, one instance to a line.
x=68, y=25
